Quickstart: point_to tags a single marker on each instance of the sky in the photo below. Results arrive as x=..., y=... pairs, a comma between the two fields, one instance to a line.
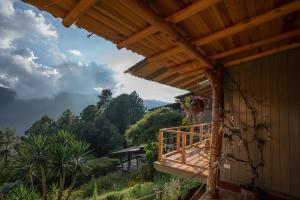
x=40, y=58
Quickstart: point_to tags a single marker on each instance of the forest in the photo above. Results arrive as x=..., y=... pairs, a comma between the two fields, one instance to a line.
x=67, y=158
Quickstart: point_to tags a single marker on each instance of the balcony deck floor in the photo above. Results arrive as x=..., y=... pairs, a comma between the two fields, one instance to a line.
x=197, y=159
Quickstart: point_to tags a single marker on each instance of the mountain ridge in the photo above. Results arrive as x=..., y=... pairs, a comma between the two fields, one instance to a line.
x=21, y=114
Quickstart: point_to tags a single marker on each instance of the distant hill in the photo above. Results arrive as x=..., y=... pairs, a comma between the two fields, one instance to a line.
x=151, y=103
x=20, y=114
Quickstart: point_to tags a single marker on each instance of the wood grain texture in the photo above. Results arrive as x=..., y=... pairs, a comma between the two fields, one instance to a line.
x=273, y=81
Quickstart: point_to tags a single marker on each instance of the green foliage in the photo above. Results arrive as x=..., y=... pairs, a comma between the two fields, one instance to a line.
x=8, y=142
x=22, y=193
x=95, y=193
x=6, y=172
x=44, y=126
x=125, y=110
x=173, y=185
x=104, y=165
x=67, y=121
x=104, y=100
x=146, y=129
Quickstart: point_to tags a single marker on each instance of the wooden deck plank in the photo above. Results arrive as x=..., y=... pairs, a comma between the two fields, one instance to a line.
x=197, y=159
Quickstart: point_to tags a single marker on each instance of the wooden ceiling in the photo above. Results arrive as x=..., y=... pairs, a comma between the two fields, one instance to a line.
x=180, y=39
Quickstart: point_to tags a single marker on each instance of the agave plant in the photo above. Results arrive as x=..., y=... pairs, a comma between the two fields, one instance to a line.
x=34, y=156
x=68, y=157
x=22, y=193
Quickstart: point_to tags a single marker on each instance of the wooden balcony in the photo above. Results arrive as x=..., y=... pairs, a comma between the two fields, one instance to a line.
x=184, y=151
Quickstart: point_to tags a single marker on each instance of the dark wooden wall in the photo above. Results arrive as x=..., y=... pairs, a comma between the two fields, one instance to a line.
x=273, y=86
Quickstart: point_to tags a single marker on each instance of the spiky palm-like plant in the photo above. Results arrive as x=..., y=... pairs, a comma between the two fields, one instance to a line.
x=35, y=154
x=81, y=162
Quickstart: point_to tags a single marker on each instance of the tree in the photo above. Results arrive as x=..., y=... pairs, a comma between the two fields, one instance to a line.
x=35, y=151
x=44, y=126
x=69, y=157
x=104, y=136
x=145, y=131
x=104, y=100
x=8, y=141
x=67, y=121
x=81, y=162
x=96, y=129
x=125, y=110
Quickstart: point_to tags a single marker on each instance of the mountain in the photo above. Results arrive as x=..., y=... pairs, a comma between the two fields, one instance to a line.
x=21, y=114
x=151, y=103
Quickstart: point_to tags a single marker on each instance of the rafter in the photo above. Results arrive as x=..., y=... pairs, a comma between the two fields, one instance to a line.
x=80, y=8
x=254, y=45
x=242, y=26
x=262, y=54
x=179, y=67
x=178, y=16
x=169, y=32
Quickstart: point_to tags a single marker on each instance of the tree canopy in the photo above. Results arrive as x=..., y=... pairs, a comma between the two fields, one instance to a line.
x=146, y=129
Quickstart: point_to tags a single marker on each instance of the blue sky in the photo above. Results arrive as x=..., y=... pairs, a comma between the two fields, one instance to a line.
x=40, y=58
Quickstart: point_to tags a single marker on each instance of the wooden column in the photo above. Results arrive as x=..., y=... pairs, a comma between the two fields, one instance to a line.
x=178, y=140
x=183, y=148
x=160, y=145
x=215, y=77
x=191, y=136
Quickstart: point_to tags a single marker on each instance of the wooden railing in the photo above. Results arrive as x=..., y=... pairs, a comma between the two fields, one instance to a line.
x=179, y=139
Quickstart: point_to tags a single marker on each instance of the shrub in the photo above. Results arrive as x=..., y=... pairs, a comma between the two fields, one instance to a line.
x=104, y=165
x=23, y=193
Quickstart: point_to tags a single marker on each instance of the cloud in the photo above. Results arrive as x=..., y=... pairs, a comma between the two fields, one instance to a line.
x=74, y=52
x=20, y=72
x=17, y=24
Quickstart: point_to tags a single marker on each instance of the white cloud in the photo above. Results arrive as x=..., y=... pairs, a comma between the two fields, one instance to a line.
x=75, y=52
x=18, y=24
x=29, y=79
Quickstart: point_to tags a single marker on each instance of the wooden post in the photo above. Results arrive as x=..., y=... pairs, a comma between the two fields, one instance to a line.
x=215, y=77
x=191, y=136
x=178, y=140
x=183, y=152
x=160, y=145
x=200, y=132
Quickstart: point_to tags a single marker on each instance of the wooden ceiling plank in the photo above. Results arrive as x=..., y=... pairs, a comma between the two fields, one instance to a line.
x=80, y=8
x=185, y=65
x=247, y=24
x=191, y=10
x=262, y=54
x=165, y=54
x=169, y=32
x=250, y=23
x=276, y=38
x=178, y=16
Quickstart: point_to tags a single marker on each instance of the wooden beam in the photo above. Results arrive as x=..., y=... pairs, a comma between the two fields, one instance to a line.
x=186, y=82
x=242, y=26
x=176, y=17
x=193, y=63
x=80, y=8
x=165, y=54
x=215, y=78
x=138, y=36
x=262, y=54
x=247, y=47
x=169, y=32
x=250, y=23
x=191, y=10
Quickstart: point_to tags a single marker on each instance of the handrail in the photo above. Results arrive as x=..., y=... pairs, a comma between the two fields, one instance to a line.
x=197, y=133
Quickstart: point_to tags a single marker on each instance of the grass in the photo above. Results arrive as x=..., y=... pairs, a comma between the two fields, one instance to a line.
x=123, y=186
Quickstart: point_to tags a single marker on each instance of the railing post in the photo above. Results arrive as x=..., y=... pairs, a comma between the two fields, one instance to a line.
x=183, y=152
x=200, y=132
x=191, y=136
x=160, y=145
x=178, y=140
